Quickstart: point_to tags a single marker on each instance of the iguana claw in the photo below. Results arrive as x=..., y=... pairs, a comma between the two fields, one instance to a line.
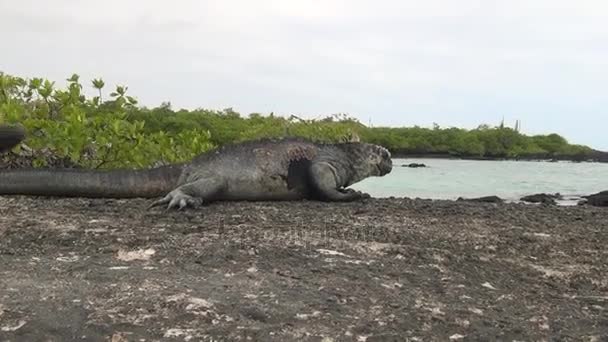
x=175, y=199
x=361, y=194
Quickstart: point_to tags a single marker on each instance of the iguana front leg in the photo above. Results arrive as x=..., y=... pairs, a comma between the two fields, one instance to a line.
x=326, y=180
x=349, y=190
x=191, y=194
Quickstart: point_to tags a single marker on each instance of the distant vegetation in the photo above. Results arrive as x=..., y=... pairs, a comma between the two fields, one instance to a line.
x=111, y=130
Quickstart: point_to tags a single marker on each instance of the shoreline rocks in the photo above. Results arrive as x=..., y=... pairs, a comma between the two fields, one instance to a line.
x=414, y=165
x=599, y=199
x=485, y=199
x=542, y=198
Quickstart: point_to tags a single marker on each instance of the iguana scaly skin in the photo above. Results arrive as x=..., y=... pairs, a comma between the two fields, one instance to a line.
x=283, y=169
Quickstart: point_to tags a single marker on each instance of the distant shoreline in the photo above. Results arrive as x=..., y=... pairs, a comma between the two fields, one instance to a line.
x=597, y=157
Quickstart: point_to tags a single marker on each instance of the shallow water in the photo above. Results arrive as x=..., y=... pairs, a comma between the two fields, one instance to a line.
x=510, y=180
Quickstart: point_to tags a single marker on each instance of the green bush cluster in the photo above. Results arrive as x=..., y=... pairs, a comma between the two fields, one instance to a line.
x=90, y=131
x=484, y=141
x=114, y=131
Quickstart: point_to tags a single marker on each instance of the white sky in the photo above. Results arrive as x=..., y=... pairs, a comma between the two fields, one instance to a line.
x=394, y=62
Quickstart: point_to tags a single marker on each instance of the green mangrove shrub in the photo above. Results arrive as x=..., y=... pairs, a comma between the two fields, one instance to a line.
x=111, y=130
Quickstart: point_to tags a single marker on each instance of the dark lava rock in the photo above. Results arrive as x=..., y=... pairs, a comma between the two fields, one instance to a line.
x=414, y=165
x=485, y=199
x=27, y=157
x=599, y=200
x=542, y=198
x=290, y=271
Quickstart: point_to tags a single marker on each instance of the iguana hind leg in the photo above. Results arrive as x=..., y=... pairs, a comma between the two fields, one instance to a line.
x=190, y=194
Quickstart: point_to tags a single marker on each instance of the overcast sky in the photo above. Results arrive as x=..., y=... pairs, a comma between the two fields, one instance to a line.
x=392, y=62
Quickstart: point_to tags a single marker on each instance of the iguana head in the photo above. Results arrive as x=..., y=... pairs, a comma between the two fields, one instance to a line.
x=379, y=160
x=367, y=160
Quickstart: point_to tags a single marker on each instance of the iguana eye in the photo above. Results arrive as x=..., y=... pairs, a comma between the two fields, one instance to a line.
x=384, y=153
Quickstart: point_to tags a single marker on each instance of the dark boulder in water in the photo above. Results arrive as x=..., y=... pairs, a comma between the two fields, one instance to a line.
x=414, y=165
x=599, y=200
x=485, y=199
x=542, y=198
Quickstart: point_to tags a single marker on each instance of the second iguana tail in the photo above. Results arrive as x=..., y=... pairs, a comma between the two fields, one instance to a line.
x=10, y=136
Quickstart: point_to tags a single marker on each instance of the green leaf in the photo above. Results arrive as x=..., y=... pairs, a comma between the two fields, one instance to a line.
x=35, y=83
x=121, y=90
x=98, y=83
x=73, y=78
x=131, y=100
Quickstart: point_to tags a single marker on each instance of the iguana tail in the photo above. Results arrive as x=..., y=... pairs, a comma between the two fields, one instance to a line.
x=81, y=182
x=10, y=136
x=90, y=183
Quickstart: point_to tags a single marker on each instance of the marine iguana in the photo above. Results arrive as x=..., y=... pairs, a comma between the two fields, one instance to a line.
x=279, y=169
x=10, y=136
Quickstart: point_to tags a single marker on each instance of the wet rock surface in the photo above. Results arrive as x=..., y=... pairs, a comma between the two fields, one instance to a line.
x=484, y=199
x=542, y=198
x=376, y=270
x=599, y=199
x=414, y=165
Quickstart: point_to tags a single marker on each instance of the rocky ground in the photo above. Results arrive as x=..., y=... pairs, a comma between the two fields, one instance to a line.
x=377, y=270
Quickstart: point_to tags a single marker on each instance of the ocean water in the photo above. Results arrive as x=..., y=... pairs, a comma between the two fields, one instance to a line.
x=510, y=180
